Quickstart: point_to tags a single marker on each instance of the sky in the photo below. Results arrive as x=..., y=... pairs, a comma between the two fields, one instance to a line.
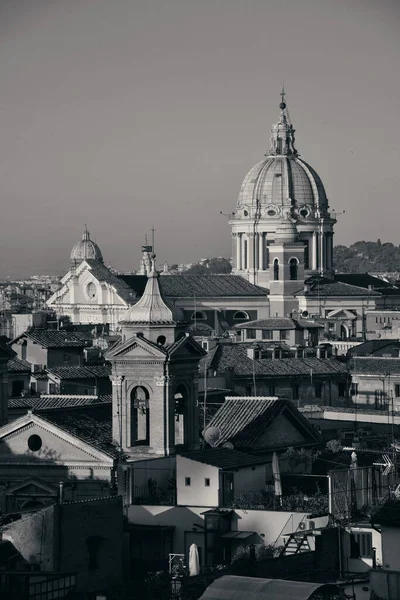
x=128, y=115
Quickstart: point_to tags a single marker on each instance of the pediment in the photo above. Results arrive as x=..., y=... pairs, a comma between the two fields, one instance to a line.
x=136, y=348
x=341, y=313
x=33, y=487
x=32, y=440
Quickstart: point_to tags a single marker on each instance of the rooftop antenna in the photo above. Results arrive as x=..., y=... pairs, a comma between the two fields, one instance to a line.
x=152, y=239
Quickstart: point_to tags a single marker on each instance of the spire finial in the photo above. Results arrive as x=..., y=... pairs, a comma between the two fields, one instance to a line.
x=86, y=233
x=282, y=105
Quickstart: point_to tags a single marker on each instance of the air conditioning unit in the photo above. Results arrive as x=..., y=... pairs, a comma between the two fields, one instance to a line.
x=302, y=526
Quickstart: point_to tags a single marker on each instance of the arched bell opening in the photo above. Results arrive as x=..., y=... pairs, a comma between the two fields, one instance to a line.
x=181, y=415
x=140, y=416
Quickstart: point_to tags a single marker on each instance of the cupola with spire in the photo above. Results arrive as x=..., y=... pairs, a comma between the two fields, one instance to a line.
x=85, y=249
x=152, y=316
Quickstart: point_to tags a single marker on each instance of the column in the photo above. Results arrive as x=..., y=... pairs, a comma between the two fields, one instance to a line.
x=250, y=251
x=322, y=252
x=313, y=261
x=239, y=251
x=261, y=251
x=234, y=250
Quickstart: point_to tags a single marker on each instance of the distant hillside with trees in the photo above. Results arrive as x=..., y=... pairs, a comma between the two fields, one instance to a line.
x=362, y=257
x=211, y=266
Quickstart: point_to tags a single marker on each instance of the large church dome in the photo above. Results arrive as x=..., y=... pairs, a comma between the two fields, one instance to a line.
x=85, y=249
x=282, y=183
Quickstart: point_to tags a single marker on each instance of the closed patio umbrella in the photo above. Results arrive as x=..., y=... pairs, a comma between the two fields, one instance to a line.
x=194, y=561
x=277, y=476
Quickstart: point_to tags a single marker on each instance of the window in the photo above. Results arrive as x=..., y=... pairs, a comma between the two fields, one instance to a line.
x=34, y=443
x=161, y=340
x=354, y=389
x=283, y=334
x=295, y=392
x=379, y=401
x=199, y=315
x=318, y=390
x=361, y=545
x=188, y=481
x=17, y=387
x=267, y=334
x=397, y=390
x=306, y=254
x=276, y=269
x=342, y=389
x=207, y=482
x=251, y=334
x=293, y=268
x=240, y=315
x=93, y=544
x=67, y=358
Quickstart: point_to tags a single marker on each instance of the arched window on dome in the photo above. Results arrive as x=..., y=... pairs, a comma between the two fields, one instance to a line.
x=140, y=416
x=293, y=268
x=199, y=315
x=241, y=315
x=276, y=269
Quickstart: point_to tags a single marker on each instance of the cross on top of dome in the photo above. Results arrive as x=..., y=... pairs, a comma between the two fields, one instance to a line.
x=282, y=133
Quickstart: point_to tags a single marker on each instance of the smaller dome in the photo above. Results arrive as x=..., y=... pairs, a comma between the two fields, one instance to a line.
x=85, y=249
x=286, y=231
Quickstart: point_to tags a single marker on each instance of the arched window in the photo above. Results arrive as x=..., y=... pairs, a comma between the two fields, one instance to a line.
x=181, y=415
x=276, y=269
x=293, y=267
x=199, y=315
x=241, y=315
x=140, y=417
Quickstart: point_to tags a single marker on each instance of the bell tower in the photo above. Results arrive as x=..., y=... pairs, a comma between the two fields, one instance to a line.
x=287, y=269
x=154, y=377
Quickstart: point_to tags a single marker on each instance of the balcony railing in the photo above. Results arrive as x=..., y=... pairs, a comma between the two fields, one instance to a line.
x=153, y=495
x=298, y=502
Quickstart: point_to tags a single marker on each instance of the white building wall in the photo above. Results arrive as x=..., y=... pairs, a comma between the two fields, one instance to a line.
x=197, y=493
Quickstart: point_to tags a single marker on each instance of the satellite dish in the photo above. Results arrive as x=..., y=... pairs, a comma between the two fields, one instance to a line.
x=228, y=445
x=212, y=435
x=304, y=314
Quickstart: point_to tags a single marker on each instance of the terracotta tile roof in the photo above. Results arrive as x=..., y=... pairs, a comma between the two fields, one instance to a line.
x=49, y=338
x=375, y=365
x=201, y=286
x=243, y=421
x=369, y=348
x=365, y=280
x=389, y=514
x=228, y=356
x=280, y=323
x=103, y=274
x=90, y=424
x=86, y=372
x=16, y=365
x=224, y=458
x=56, y=401
x=326, y=287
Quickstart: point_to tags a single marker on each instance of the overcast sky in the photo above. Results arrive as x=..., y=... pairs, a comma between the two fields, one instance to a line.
x=127, y=114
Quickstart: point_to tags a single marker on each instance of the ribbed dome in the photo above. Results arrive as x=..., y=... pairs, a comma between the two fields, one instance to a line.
x=279, y=183
x=286, y=231
x=85, y=249
x=282, y=183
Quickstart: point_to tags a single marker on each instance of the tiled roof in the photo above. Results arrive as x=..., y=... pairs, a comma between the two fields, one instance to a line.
x=90, y=424
x=56, y=401
x=280, y=323
x=200, y=286
x=17, y=365
x=87, y=372
x=369, y=348
x=326, y=287
x=103, y=274
x=48, y=338
x=375, y=365
x=389, y=514
x=244, y=420
x=227, y=356
x=224, y=458
x=365, y=280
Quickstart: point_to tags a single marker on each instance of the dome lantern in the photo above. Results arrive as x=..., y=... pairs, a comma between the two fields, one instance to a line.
x=85, y=249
